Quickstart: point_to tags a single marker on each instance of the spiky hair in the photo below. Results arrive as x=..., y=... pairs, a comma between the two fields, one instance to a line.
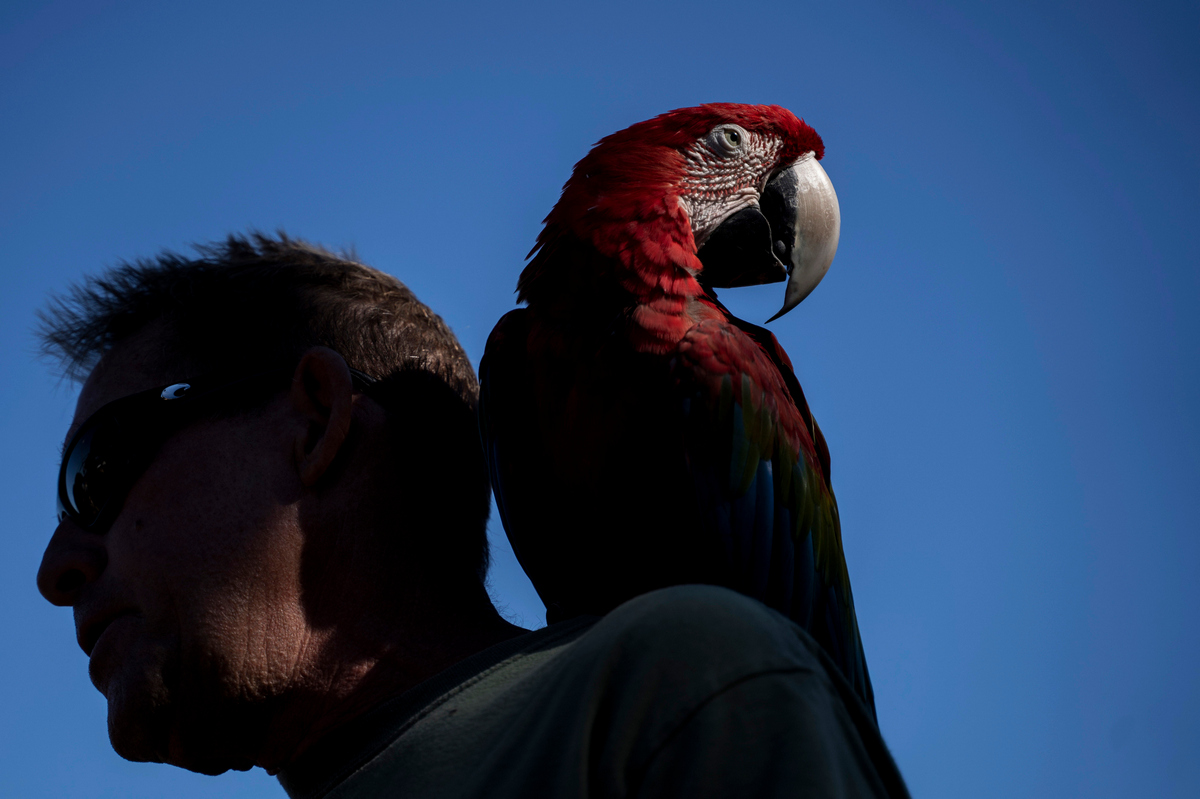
x=255, y=298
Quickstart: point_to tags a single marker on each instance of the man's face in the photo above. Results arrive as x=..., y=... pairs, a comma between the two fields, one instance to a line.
x=190, y=604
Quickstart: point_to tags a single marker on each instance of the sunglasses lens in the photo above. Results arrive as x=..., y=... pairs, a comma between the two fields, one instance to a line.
x=86, y=479
x=94, y=472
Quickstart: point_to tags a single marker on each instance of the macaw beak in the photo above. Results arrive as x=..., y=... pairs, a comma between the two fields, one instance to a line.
x=806, y=222
x=792, y=235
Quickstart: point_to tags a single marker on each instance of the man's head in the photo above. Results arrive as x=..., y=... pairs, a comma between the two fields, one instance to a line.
x=277, y=533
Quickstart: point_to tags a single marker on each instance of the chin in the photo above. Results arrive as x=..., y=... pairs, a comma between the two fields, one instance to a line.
x=207, y=764
x=134, y=675
x=139, y=722
x=210, y=744
x=145, y=730
x=160, y=711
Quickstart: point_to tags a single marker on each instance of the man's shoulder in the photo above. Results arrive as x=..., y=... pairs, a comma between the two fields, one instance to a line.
x=675, y=649
x=694, y=687
x=705, y=628
x=705, y=610
x=699, y=686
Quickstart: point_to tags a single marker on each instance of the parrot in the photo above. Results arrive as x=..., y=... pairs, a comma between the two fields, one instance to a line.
x=638, y=434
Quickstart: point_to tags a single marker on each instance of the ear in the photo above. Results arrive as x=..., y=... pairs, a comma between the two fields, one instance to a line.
x=322, y=393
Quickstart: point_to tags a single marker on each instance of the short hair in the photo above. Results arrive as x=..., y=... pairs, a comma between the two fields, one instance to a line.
x=259, y=300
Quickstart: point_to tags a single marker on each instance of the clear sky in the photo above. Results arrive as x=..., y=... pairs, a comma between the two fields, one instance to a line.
x=1004, y=356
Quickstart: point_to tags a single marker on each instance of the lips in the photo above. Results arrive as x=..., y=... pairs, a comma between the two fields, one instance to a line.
x=91, y=629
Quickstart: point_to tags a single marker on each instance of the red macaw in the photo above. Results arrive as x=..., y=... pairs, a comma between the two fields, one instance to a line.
x=638, y=434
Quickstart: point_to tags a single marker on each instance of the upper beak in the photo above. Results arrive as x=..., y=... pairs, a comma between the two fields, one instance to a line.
x=792, y=235
x=802, y=209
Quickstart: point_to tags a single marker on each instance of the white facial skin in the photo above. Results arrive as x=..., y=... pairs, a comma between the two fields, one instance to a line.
x=226, y=550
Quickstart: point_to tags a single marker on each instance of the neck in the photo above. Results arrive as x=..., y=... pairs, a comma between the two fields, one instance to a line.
x=648, y=274
x=361, y=669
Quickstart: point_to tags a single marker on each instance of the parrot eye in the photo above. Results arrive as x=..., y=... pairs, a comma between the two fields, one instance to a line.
x=727, y=139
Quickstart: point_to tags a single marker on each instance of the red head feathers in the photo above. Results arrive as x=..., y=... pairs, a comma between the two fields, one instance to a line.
x=645, y=200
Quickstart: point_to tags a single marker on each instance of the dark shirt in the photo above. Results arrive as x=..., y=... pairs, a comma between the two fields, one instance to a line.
x=692, y=691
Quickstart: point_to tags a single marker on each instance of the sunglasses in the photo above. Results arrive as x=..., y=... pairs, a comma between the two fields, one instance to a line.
x=117, y=443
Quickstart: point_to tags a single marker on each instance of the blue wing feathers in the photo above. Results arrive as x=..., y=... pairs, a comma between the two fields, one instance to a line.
x=764, y=530
x=769, y=505
x=804, y=586
x=779, y=589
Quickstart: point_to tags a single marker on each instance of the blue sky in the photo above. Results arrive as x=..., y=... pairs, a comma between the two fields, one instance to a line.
x=1004, y=356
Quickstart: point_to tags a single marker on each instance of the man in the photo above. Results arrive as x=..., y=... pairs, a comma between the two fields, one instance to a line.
x=273, y=537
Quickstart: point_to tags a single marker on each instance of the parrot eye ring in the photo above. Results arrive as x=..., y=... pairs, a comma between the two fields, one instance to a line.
x=727, y=139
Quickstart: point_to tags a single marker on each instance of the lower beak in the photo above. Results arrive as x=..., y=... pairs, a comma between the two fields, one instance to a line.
x=802, y=209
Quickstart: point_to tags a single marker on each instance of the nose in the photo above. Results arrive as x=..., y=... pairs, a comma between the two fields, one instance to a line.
x=73, y=558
